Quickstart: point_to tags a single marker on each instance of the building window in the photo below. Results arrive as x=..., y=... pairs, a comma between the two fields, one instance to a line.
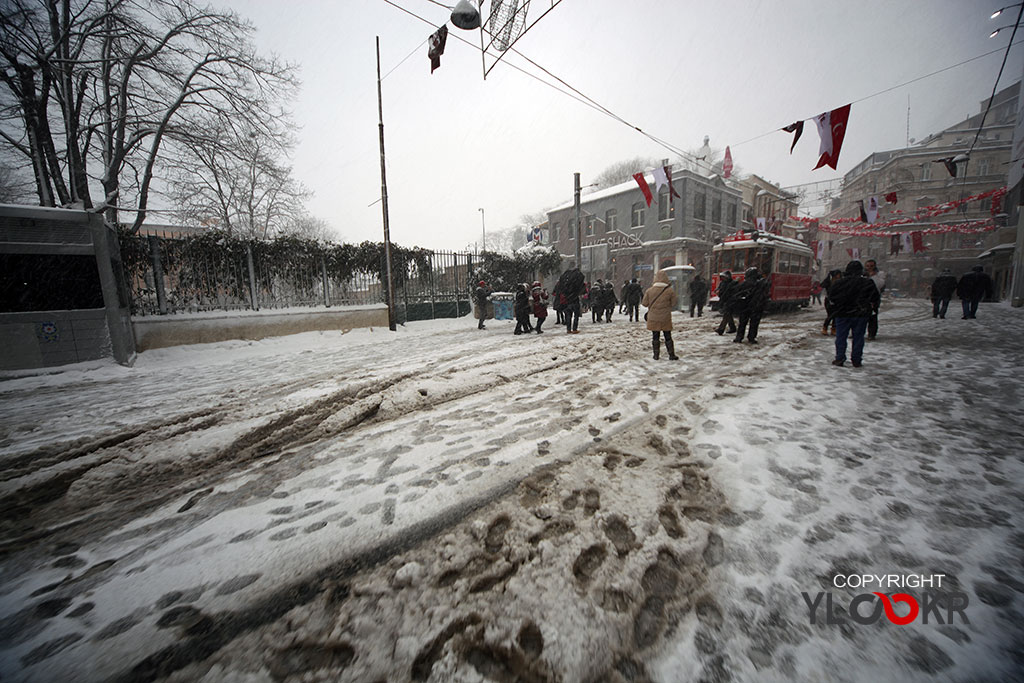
x=573, y=226
x=555, y=236
x=699, y=206
x=639, y=217
x=666, y=207
x=589, y=226
x=716, y=211
x=611, y=220
x=926, y=171
x=983, y=167
x=730, y=214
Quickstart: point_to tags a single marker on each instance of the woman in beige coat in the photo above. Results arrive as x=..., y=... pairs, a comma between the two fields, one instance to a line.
x=660, y=301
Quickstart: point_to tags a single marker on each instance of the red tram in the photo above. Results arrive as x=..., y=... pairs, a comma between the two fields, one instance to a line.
x=786, y=263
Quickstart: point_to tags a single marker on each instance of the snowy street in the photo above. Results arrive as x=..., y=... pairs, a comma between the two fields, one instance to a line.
x=447, y=504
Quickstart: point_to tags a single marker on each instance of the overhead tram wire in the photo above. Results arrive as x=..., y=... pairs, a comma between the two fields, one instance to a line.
x=996, y=84
x=901, y=85
x=579, y=96
x=574, y=93
x=476, y=47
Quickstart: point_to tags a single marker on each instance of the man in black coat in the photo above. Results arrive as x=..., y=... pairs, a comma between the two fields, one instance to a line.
x=749, y=301
x=570, y=288
x=726, y=286
x=634, y=293
x=853, y=297
x=942, y=291
x=698, y=294
x=972, y=287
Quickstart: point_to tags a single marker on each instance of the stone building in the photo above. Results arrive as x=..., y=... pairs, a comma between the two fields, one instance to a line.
x=919, y=181
x=622, y=238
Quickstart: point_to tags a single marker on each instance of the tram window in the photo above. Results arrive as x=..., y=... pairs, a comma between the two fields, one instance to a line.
x=783, y=263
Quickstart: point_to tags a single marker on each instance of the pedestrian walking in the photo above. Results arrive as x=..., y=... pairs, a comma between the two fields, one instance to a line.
x=830, y=318
x=610, y=300
x=633, y=297
x=539, y=297
x=878, y=277
x=749, y=301
x=854, y=297
x=972, y=288
x=816, y=289
x=571, y=286
x=943, y=288
x=660, y=301
x=622, y=297
x=726, y=289
x=698, y=294
x=521, y=308
x=556, y=303
x=482, y=294
x=597, y=301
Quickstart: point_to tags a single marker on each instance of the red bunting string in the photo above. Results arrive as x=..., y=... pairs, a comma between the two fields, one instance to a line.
x=838, y=225
x=968, y=227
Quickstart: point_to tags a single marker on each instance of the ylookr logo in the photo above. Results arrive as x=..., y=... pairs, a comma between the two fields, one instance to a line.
x=930, y=608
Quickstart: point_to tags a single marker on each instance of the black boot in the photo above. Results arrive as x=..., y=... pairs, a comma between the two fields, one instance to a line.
x=657, y=348
x=670, y=345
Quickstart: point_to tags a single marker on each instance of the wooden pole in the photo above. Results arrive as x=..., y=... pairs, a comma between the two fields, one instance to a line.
x=384, y=201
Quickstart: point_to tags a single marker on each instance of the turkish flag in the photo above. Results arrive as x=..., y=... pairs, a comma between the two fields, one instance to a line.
x=832, y=129
x=644, y=187
x=436, y=48
x=891, y=198
x=727, y=164
x=918, y=239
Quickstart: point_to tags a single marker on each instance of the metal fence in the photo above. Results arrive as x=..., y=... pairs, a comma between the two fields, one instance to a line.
x=173, y=275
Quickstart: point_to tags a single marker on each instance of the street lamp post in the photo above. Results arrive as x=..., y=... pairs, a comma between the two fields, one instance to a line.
x=483, y=231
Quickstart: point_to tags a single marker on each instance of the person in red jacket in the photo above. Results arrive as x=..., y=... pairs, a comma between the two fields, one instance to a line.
x=540, y=305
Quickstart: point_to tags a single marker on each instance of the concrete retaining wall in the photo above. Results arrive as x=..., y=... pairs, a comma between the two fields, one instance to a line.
x=44, y=338
x=154, y=332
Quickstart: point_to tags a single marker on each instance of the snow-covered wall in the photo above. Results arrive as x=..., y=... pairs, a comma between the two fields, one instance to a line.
x=158, y=332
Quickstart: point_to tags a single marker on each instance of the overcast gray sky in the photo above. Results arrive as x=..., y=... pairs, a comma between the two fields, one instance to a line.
x=731, y=69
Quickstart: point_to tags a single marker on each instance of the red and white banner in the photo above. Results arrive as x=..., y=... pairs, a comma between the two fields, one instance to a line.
x=727, y=163
x=644, y=187
x=872, y=209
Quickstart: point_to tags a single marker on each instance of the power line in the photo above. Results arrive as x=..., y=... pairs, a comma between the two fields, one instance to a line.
x=996, y=84
x=475, y=47
x=901, y=85
x=579, y=96
x=404, y=59
x=575, y=93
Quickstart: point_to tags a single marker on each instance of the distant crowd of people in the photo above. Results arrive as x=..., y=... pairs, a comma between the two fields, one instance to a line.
x=852, y=298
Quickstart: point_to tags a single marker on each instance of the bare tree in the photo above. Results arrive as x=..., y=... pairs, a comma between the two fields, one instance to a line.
x=622, y=171
x=98, y=91
x=234, y=177
x=310, y=227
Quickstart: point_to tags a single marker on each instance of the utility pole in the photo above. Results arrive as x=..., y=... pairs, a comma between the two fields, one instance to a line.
x=483, y=231
x=576, y=204
x=384, y=202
